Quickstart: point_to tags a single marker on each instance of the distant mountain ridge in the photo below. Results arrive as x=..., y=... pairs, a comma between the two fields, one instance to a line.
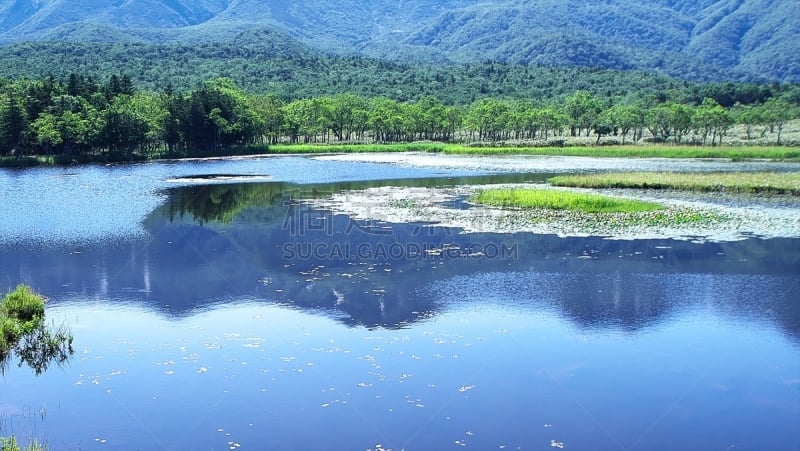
x=709, y=40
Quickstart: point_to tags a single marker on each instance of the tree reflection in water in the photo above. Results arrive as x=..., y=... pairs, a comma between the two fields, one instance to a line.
x=40, y=348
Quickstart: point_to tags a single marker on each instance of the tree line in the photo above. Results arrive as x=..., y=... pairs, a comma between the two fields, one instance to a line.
x=80, y=116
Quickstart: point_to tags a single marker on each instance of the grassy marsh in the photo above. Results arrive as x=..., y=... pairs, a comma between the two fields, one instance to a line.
x=739, y=182
x=561, y=200
x=592, y=213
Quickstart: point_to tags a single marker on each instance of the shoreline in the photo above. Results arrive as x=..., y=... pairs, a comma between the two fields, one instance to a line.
x=771, y=153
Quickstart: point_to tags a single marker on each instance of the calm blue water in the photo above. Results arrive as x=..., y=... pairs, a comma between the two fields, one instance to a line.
x=232, y=316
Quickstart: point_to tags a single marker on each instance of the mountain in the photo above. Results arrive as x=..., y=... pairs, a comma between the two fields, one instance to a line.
x=706, y=40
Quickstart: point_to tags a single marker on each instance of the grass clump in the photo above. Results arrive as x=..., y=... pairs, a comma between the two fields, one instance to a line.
x=23, y=305
x=734, y=182
x=562, y=200
x=21, y=311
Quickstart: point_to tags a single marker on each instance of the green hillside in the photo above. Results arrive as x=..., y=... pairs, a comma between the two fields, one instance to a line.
x=704, y=40
x=741, y=40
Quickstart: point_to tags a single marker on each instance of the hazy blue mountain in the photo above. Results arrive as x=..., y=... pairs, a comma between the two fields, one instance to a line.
x=693, y=39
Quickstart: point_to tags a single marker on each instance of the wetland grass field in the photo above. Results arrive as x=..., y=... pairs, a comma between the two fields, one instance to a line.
x=729, y=182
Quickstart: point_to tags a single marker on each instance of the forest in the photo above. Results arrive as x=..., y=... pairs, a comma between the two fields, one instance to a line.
x=264, y=62
x=82, y=116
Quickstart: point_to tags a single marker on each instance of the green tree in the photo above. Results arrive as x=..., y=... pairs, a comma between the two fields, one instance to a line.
x=385, y=119
x=47, y=131
x=489, y=118
x=776, y=113
x=307, y=117
x=124, y=128
x=78, y=123
x=747, y=115
x=219, y=115
x=522, y=119
x=670, y=119
x=269, y=109
x=711, y=118
x=550, y=119
x=624, y=118
x=435, y=121
x=582, y=109
x=13, y=125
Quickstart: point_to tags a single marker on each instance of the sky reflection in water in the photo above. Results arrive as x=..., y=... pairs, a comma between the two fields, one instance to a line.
x=207, y=332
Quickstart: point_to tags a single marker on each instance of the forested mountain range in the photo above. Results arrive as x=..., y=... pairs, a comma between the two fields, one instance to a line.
x=700, y=40
x=265, y=62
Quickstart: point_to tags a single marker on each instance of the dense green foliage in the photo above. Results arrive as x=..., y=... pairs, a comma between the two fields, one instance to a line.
x=707, y=40
x=83, y=117
x=562, y=200
x=80, y=118
x=261, y=63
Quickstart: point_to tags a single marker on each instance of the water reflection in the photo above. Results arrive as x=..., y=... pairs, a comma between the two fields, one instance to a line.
x=242, y=316
x=221, y=203
x=40, y=348
x=211, y=244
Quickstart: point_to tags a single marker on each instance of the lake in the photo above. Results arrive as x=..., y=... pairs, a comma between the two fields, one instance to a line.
x=213, y=308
